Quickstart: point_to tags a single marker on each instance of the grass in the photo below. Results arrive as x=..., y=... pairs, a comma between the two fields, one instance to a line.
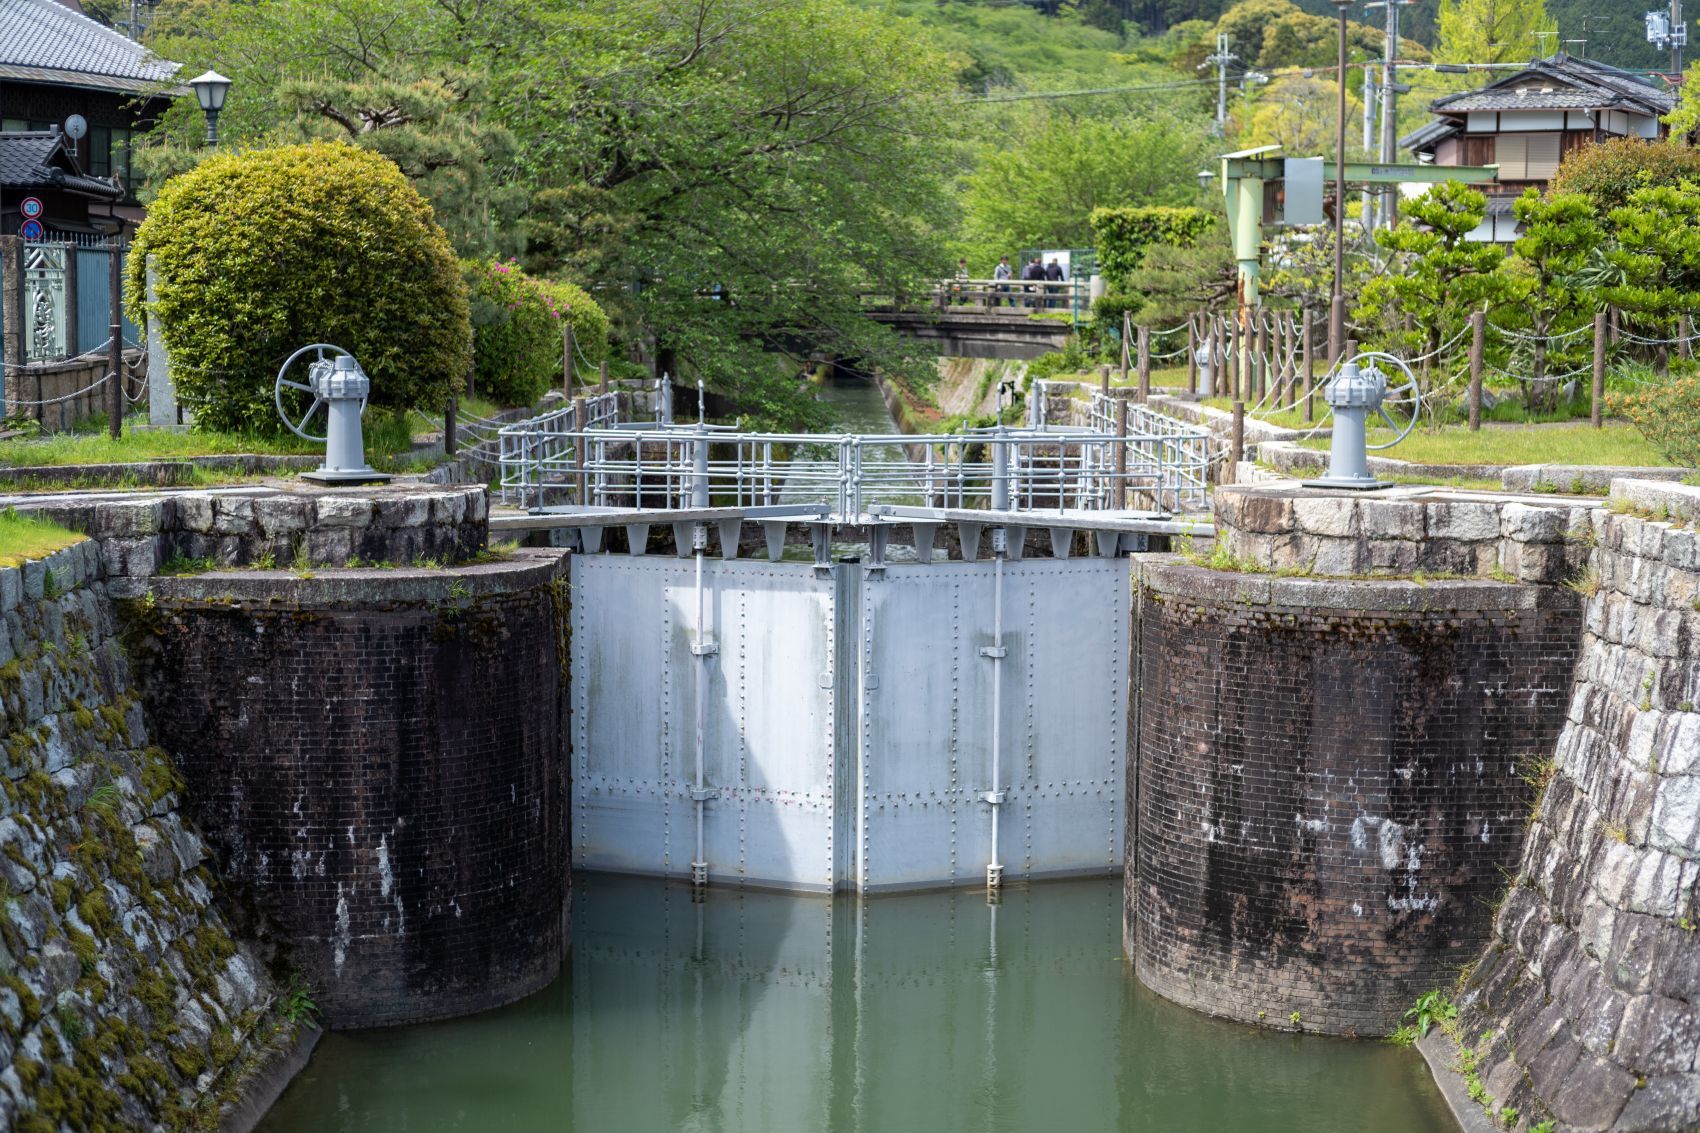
x=385, y=436
x=26, y=537
x=1551, y=444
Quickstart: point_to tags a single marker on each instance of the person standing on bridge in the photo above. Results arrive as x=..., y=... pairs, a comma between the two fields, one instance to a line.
x=1034, y=272
x=1054, y=274
x=961, y=279
x=1002, y=271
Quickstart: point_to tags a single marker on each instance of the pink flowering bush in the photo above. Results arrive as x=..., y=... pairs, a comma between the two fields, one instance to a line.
x=516, y=329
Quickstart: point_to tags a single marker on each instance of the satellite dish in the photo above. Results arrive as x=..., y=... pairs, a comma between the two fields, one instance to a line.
x=76, y=126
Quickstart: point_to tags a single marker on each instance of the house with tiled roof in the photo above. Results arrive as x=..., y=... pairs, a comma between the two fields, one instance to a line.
x=1528, y=121
x=60, y=69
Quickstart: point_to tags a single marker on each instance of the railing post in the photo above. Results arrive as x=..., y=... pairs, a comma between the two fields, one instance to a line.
x=451, y=441
x=1144, y=364
x=1118, y=495
x=1596, y=413
x=580, y=420
x=567, y=361
x=1478, y=344
x=602, y=372
x=1000, y=472
x=1127, y=328
x=1260, y=365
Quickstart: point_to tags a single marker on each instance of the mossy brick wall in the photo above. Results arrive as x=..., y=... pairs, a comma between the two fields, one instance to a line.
x=1585, y=1008
x=378, y=760
x=124, y=1002
x=1331, y=782
x=304, y=524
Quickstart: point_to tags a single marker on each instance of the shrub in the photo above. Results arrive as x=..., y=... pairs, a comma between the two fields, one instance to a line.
x=1123, y=234
x=516, y=331
x=261, y=252
x=1608, y=172
x=1668, y=414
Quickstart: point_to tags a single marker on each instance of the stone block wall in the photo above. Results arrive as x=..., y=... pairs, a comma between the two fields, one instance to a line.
x=1586, y=1006
x=138, y=535
x=1402, y=531
x=1332, y=778
x=124, y=1001
x=378, y=758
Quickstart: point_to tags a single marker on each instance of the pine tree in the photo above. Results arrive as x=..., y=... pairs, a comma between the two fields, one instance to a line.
x=1495, y=31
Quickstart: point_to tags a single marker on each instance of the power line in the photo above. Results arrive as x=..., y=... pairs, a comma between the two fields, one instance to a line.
x=1176, y=85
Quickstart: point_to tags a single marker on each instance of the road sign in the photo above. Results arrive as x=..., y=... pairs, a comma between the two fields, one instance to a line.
x=32, y=230
x=30, y=207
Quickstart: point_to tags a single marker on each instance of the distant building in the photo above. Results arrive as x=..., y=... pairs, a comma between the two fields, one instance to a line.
x=56, y=62
x=1527, y=122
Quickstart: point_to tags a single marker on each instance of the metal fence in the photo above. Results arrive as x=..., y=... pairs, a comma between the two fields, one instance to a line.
x=65, y=306
x=1158, y=463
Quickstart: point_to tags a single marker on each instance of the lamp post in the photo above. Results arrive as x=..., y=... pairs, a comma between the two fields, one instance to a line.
x=1337, y=299
x=210, y=89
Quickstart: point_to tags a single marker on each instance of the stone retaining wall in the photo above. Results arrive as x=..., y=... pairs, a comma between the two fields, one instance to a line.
x=378, y=758
x=124, y=1001
x=1400, y=531
x=1586, y=1006
x=1332, y=778
x=318, y=526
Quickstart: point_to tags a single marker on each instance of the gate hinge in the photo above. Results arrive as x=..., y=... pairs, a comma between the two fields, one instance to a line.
x=996, y=798
x=704, y=648
x=995, y=652
x=703, y=794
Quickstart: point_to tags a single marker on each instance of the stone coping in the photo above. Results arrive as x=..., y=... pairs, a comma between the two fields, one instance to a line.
x=1365, y=595
x=344, y=586
x=163, y=473
x=1584, y=479
x=1681, y=502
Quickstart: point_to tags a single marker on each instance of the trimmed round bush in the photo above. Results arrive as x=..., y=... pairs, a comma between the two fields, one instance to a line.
x=259, y=253
x=516, y=327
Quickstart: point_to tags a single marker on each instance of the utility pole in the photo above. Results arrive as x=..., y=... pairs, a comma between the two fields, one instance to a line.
x=1678, y=36
x=1369, y=140
x=1337, y=296
x=1390, y=89
x=1220, y=61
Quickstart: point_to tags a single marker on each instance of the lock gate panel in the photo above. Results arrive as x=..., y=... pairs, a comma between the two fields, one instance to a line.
x=846, y=719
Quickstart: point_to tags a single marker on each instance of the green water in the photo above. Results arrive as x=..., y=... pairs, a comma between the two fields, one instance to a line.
x=929, y=1012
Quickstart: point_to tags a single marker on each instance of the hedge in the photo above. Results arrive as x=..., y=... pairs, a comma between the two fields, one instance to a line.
x=258, y=253
x=1667, y=413
x=516, y=328
x=1122, y=235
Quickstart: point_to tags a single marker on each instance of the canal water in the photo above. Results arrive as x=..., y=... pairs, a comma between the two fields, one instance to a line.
x=935, y=1012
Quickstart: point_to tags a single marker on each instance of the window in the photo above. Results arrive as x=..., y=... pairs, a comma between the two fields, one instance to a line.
x=97, y=152
x=13, y=125
x=1527, y=157
x=121, y=155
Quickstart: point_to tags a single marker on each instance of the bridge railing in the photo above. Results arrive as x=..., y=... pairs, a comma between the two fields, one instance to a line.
x=550, y=439
x=1164, y=465
x=994, y=296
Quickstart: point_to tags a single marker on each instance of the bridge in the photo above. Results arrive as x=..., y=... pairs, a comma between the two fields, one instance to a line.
x=988, y=318
x=906, y=667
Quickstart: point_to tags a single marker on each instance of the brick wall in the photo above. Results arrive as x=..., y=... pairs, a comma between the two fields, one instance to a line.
x=1330, y=784
x=377, y=758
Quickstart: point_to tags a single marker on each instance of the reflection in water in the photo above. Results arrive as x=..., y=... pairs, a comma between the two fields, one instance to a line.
x=929, y=1012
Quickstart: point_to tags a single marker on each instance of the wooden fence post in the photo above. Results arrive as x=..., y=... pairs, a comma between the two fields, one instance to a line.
x=567, y=358
x=1478, y=345
x=578, y=450
x=1191, y=353
x=1144, y=363
x=1236, y=444
x=1260, y=373
x=451, y=426
x=1309, y=366
x=1127, y=329
x=115, y=298
x=1120, y=494
x=1596, y=412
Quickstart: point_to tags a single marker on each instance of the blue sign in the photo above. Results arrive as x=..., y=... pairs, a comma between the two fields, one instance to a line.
x=32, y=230
x=30, y=207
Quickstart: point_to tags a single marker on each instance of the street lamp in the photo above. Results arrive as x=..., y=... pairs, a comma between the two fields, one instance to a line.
x=1337, y=299
x=210, y=89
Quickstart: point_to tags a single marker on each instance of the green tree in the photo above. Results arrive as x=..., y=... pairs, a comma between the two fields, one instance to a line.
x=1040, y=189
x=1437, y=275
x=517, y=341
x=1657, y=234
x=1608, y=172
x=262, y=252
x=1493, y=31
x=1560, y=235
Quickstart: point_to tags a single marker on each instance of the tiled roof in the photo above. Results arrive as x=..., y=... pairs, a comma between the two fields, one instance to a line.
x=1563, y=83
x=44, y=41
x=37, y=159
